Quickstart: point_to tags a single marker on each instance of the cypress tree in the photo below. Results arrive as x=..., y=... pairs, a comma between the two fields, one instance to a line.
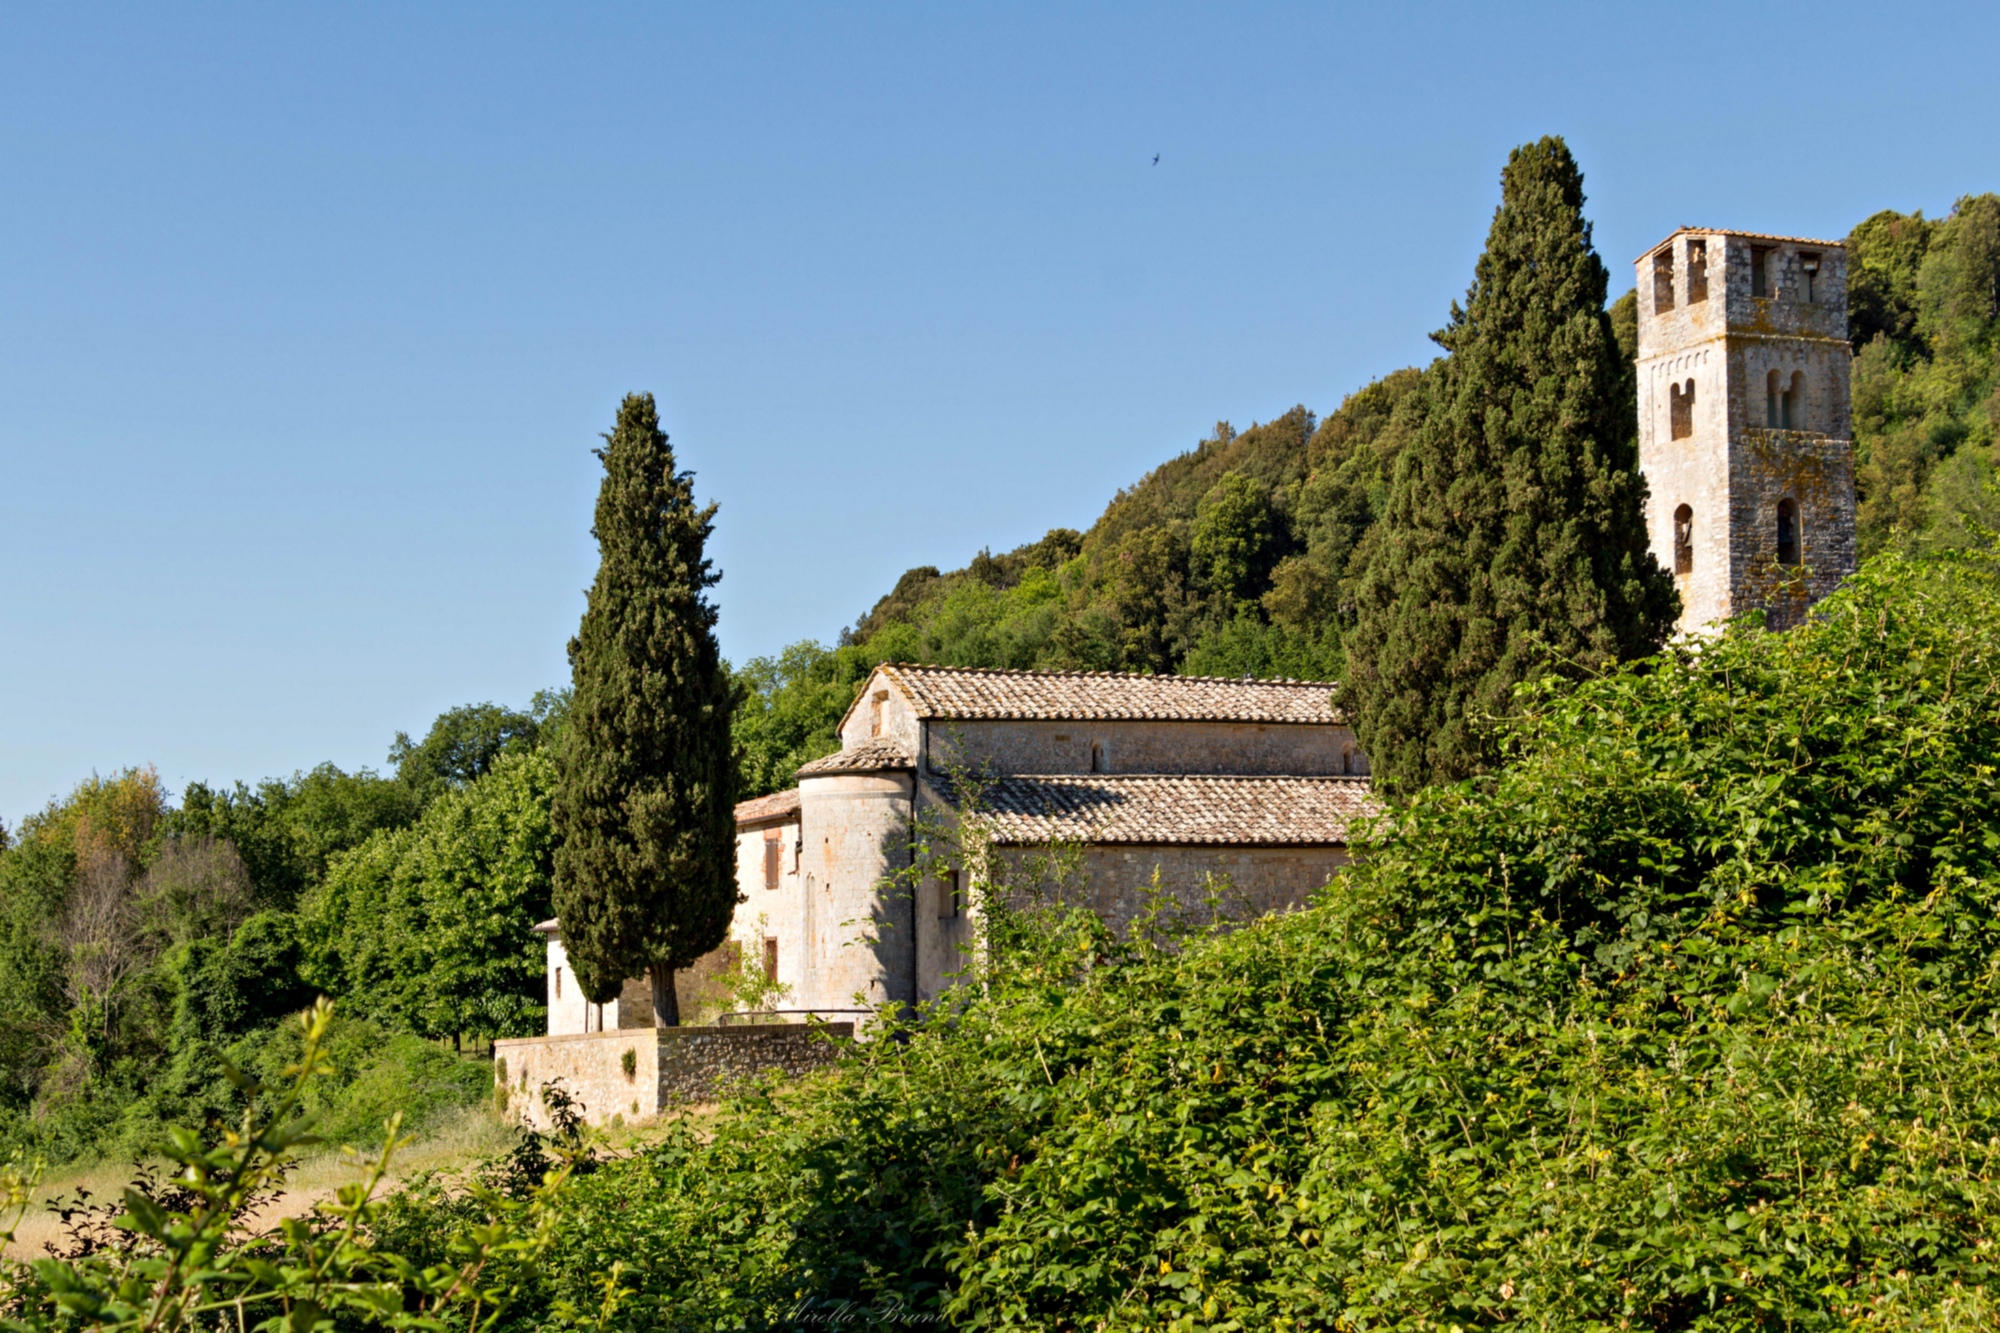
x=1514, y=542
x=645, y=865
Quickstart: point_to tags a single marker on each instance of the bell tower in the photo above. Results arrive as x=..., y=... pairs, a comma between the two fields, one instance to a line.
x=1744, y=433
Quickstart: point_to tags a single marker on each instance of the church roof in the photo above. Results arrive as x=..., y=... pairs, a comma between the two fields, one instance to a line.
x=1267, y=811
x=970, y=694
x=779, y=805
x=1745, y=235
x=871, y=756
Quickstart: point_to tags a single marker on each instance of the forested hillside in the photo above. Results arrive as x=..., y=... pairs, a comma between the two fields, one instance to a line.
x=1239, y=555
x=143, y=944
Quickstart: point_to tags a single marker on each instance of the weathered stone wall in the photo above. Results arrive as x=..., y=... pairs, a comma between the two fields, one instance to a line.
x=1733, y=465
x=859, y=920
x=1816, y=473
x=699, y=1064
x=1116, y=881
x=591, y=1067
x=669, y=1067
x=1147, y=747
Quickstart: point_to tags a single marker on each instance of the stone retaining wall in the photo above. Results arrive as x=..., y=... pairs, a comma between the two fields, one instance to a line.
x=635, y=1073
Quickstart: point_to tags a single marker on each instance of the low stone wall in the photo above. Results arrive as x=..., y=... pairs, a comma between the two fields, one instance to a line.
x=638, y=1072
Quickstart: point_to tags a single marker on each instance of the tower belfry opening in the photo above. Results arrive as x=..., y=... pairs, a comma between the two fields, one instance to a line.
x=1742, y=325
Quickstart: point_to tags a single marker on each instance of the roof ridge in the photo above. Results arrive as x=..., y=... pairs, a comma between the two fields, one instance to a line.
x=1108, y=675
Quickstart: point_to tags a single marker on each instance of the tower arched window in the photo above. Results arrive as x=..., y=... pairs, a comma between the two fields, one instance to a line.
x=1697, y=283
x=1684, y=540
x=1663, y=280
x=1771, y=392
x=1793, y=403
x=1680, y=410
x=1788, y=531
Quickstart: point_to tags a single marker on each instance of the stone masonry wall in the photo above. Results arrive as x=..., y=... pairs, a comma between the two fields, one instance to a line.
x=1263, y=880
x=1149, y=747
x=672, y=1066
x=1732, y=467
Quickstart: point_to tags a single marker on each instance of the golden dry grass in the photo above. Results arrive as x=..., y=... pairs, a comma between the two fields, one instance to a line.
x=458, y=1139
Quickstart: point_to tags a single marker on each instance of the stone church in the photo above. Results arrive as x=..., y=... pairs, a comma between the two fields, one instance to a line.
x=1745, y=443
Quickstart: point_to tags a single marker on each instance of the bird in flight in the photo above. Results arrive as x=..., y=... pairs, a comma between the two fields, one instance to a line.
x=1156, y=159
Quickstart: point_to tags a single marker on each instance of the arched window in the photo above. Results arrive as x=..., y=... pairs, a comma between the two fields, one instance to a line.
x=1697, y=271
x=1663, y=280
x=1771, y=417
x=1684, y=540
x=1788, y=531
x=1097, y=757
x=1680, y=410
x=1793, y=404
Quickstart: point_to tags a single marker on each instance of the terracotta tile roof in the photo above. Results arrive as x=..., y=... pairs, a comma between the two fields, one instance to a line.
x=871, y=756
x=1746, y=235
x=764, y=809
x=1270, y=811
x=966, y=693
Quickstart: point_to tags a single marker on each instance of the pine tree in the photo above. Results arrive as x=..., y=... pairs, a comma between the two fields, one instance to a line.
x=1514, y=542
x=645, y=865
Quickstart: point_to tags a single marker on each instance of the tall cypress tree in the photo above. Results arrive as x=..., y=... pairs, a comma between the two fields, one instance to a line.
x=645, y=866
x=1514, y=541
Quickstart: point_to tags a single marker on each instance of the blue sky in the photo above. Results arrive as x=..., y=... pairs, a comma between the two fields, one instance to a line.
x=311, y=314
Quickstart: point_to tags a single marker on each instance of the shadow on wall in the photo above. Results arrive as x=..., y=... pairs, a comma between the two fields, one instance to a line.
x=891, y=931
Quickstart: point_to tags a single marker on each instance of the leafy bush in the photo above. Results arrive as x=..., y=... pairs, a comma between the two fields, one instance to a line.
x=190, y=1256
x=1685, y=1020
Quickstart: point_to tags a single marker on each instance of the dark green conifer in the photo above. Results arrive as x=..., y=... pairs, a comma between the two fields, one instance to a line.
x=1514, y=541
x=645, y=866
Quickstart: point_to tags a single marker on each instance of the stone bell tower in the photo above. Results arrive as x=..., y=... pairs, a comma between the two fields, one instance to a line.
x=1744, y=431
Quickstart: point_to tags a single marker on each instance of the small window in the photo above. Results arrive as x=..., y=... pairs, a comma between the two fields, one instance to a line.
x=1771, y=393
x=1760, y=270
x=1680, y=410
x=875, y=712
x=948, y=899
x=1663, y=280
x=1684, y=540
x=770, y=958
x=1697, y=271
x=1097, y=757
x=1347, y=763
x=774, y=851
x=1793, y=403
x=1809, y=271
x=558, y=983
x=1788, y=532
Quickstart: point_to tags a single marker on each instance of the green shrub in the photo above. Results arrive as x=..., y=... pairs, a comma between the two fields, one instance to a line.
x=371, y=1074
x=1684, y=1020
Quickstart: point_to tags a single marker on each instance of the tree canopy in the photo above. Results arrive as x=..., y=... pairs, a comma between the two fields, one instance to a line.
x=1514, y=542
x=645, y=868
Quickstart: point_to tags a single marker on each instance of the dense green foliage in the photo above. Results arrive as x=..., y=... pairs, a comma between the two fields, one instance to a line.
x=144, y=946
x=645, y=868
x=1924, y=313
x=1514, y=542
x=1685, y=1019
x=190, y=1254
x=425, y=928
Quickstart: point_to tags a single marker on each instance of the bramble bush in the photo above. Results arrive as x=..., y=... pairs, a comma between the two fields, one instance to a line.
x=1683, y=1020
